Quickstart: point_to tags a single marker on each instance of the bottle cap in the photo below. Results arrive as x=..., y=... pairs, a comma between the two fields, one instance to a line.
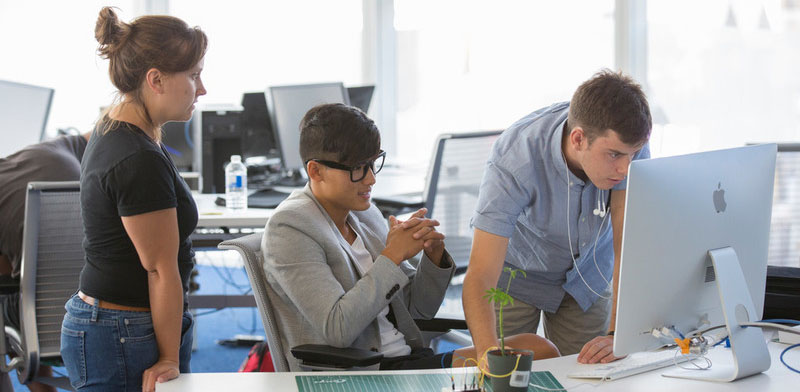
x=236, y=159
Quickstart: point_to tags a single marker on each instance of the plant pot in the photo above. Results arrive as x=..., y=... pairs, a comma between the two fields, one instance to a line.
x=502, y=365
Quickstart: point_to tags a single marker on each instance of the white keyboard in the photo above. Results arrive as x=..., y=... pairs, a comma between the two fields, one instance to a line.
x=632, y=364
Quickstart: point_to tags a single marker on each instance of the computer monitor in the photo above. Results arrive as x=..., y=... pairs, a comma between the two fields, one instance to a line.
x=694, y=252
x=177, y=138
x=361, y=96
x=289, y=104
x=258, y=138
x=23, y=115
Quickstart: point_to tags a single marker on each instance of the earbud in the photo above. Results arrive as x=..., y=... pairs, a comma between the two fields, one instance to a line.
x=600, y=211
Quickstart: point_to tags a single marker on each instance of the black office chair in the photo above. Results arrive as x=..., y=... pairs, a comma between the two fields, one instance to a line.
x=52, y=258
x=782, y=298
x=451, y=191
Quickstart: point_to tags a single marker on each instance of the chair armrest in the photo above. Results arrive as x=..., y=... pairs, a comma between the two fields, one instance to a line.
x=397, y=205
x=337, y=357
x=440, y=324
x=8, y=285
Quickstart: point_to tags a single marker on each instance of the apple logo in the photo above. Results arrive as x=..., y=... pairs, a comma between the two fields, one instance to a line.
x=719, y=199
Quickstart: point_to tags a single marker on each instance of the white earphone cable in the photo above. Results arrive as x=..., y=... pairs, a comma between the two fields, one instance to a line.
x=572, y=253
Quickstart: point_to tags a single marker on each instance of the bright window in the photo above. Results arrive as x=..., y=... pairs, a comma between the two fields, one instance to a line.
x=723, y=73
x=254, y=45
x=479, y=65
x=52, y=44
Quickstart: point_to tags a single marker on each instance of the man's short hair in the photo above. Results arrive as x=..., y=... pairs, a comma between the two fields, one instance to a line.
x=611, y=100
x=339, y=133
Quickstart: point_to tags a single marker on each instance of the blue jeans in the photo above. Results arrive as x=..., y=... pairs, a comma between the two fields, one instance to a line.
x=108, y=350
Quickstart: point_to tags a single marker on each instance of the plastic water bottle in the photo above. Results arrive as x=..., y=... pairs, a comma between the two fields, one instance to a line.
x=236, y=184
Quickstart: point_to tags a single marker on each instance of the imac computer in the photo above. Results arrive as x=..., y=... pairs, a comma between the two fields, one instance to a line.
x=288, y=106
x=694, y=253
x=23, y=115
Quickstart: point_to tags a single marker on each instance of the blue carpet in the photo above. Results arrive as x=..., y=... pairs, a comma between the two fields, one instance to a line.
x=212, y=325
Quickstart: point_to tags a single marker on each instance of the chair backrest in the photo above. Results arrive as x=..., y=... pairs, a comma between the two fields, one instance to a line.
x=451, y=192
x=52, y=259
x=784, y=236
x=249, y=247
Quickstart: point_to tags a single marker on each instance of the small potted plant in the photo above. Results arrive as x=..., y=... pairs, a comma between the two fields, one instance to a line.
x=509, y=369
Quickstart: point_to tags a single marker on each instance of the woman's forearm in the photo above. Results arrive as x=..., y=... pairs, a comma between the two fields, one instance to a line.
x=166, y=306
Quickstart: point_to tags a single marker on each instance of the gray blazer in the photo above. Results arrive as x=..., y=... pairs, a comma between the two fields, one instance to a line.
x=322, y=298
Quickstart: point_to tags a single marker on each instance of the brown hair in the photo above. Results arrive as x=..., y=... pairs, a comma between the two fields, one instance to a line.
x=151, y=41
x=339, y=133
x=611, y=100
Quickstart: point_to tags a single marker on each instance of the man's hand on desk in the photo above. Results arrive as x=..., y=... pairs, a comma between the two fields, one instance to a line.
x=598, y=350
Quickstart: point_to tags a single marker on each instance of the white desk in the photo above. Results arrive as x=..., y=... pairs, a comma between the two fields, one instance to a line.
x=777, y=378
x=212, y=215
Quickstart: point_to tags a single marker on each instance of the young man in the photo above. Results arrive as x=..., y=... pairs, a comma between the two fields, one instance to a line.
x=342, y=277
x=54, y=160
x=543, y=208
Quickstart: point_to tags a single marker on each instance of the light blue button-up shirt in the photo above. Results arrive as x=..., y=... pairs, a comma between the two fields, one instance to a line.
x=523, y=197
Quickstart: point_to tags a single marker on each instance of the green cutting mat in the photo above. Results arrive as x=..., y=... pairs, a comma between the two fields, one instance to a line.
x=401, y=382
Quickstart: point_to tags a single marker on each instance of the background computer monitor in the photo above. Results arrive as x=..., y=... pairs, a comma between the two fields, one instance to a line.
x=177, y=138
x=258, y=138
x=361, y=96
x=23, y=115
x=289, y=104
x=677, y=209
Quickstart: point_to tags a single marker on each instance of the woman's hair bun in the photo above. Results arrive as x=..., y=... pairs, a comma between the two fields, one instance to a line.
x=109, y=31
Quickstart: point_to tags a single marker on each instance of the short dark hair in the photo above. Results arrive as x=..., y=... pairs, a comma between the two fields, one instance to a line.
x=611, y=100
x=339, y=133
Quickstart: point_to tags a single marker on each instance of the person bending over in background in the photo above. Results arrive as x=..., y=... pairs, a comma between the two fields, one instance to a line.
x=53, y=160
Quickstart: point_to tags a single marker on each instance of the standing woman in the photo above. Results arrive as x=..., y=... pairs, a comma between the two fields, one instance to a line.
x=128, y=327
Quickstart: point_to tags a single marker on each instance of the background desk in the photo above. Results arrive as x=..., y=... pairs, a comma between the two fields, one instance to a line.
x=777, y=378
x=214, y=216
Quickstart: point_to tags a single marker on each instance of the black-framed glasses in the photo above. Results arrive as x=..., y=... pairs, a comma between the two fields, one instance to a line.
x=359, y=170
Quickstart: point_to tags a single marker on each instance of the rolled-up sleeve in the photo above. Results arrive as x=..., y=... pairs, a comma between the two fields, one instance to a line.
x=506, y=189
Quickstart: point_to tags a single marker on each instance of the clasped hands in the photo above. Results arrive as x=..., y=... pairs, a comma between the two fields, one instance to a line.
x=409, y=237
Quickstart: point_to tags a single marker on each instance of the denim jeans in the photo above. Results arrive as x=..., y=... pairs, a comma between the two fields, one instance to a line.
x=108, y=350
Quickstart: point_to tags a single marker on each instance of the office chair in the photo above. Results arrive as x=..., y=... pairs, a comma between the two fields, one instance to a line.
x=52, y=258
x=312, y=356
x=451, y=191
x=782, y=298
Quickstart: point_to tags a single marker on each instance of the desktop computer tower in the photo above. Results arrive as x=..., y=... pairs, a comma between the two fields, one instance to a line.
x=221, y=137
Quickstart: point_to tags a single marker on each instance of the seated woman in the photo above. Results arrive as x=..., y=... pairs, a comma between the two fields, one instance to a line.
x=342, y=276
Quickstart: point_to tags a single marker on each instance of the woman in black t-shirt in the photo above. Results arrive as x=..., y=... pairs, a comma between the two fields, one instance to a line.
x=127, y=327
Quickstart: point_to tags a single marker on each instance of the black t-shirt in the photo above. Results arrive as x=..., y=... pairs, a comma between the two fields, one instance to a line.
x=54, y=160
x=125, y=173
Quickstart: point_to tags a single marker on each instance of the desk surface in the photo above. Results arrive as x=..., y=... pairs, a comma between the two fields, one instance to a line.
x=212, y=215
x=777, y=378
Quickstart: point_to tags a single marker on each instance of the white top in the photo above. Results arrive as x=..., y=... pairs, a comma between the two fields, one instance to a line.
x=393, y=342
